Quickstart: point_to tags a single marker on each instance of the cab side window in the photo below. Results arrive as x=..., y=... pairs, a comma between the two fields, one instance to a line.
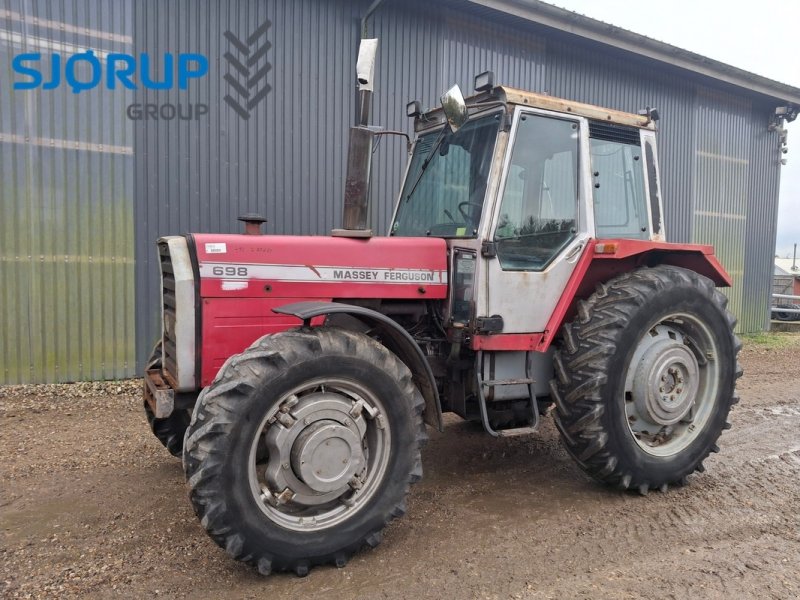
x=620, y=202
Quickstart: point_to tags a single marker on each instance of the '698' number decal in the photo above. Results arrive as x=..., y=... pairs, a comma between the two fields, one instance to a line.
x=231, y=271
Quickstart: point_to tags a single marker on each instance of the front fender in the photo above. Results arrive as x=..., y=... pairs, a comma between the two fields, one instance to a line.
x=394, y=337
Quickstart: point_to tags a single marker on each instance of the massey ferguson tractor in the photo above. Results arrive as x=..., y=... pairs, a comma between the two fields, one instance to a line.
x=525, y=273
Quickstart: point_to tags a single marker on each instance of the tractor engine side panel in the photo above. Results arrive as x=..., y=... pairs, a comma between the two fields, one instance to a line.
x=229, y=325
x=242, y=278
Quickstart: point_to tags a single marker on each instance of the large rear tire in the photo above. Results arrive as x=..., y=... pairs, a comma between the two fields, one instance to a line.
x=171, y=430
x=645, y=378
x=303, y=448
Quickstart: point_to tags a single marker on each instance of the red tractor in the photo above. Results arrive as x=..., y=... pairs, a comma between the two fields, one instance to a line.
x=525, y=272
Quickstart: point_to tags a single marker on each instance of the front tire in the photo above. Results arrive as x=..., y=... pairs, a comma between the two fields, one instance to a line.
x=645, y=378
x=303, y=448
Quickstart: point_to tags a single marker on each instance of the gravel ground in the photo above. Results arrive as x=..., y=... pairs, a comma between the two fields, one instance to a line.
x=92, y=505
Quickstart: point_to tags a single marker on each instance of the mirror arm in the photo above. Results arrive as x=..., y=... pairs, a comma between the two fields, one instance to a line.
x=395, y=132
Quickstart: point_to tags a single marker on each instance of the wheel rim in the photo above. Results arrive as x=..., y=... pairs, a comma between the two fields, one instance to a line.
x=319, y=454
x=671, y=384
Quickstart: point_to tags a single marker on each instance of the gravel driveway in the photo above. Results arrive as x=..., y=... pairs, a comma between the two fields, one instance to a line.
x=92, y=505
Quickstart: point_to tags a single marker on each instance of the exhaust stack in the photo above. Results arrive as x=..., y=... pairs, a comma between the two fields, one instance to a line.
x=359, y=158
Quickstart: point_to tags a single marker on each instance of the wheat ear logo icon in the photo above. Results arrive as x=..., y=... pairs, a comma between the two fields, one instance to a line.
x=247, y=72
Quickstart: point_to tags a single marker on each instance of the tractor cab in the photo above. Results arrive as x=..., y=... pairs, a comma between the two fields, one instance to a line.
x=518, y=183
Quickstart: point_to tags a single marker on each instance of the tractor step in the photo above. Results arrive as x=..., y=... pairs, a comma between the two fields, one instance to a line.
x=494, y=382
x=515, y=431
x=490, y=383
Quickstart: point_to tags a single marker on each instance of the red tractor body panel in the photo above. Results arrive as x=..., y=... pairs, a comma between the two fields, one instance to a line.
x=243, y=277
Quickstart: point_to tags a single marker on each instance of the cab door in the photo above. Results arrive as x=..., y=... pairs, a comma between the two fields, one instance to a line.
x=541, y=220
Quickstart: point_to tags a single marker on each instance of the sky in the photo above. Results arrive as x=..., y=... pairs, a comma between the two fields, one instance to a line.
x=760, y=37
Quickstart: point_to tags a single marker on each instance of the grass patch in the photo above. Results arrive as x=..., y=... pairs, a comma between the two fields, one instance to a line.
x=772, y=340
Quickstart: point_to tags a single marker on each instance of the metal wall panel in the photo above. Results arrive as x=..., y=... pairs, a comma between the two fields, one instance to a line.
x=762, y=220
x=721, y=174
x=66, y=202
x=287, y=161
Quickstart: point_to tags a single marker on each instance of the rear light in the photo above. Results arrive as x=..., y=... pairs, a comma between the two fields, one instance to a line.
x=606, y=248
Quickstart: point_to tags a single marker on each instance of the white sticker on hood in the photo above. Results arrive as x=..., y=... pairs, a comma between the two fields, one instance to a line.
x=216, y=248
x=229, y=286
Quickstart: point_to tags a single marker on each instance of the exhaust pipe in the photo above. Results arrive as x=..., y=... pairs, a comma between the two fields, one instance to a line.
x=359, y=158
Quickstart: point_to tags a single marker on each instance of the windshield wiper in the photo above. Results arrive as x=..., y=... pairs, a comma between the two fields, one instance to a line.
x=427, y=162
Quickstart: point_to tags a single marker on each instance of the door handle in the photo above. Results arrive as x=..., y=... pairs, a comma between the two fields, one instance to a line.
x=574, y=252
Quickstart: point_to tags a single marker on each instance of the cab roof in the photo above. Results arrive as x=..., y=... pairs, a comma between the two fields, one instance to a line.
x=514, y=96
x=590, y=111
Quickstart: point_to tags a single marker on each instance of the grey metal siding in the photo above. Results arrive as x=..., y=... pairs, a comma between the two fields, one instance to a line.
x=287, y=161
x=762, y=221
x=66, y=203
x=721, y=173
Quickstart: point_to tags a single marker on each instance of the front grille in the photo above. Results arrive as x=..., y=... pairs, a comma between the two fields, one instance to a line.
x=168, y=314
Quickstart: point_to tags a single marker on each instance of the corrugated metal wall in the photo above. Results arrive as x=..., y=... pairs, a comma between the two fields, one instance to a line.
x=66, y=202
x=287, y=161
x=71, y=227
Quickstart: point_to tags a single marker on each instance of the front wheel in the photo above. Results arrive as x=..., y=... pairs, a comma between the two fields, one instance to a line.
x=646, y=377
x=303, y=448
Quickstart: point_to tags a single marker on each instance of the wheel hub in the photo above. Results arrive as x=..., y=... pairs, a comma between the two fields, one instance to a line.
x=666, y=382
x=327, y=454
x=672, y=384
x=316, y=449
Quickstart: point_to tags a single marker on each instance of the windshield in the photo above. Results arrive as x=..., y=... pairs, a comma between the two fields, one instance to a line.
x=446, y=198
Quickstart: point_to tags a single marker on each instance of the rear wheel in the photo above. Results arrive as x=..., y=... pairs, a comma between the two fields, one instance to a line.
x=303, y=448
x=645, y=378
x=171, y=430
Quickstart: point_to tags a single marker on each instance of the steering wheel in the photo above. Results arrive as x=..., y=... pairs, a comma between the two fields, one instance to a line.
x=462, y=206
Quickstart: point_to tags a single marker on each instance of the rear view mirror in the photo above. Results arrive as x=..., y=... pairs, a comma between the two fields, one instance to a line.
x=454, y=107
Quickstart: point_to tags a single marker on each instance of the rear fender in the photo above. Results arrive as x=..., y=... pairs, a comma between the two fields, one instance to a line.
x=395, y=338
x=605, y=259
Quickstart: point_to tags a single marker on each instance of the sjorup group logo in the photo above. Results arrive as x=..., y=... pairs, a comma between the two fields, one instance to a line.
x=245, y=75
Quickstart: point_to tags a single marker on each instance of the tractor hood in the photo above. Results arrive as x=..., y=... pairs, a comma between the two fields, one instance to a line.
x=315, y=267
x=243, y=278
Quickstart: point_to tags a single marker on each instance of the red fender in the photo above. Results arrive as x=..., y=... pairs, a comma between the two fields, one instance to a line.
x=605, y=259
